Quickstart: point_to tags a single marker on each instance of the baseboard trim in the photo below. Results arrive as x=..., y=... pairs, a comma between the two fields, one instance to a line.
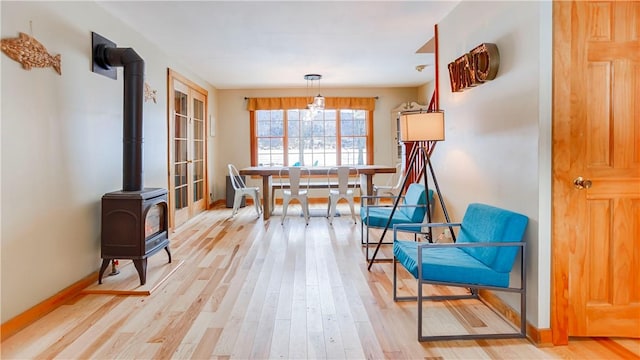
x=21, y=321
x=540, y=337
x=217, y=204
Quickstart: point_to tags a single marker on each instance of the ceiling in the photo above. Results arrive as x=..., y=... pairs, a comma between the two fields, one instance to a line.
x=272, y=44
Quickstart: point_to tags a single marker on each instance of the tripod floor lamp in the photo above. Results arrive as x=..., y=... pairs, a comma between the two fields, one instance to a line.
x=423, y=129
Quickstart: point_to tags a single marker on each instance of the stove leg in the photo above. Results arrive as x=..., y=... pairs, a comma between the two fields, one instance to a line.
x=141, y=267
x=103, y=267
x=166, y=248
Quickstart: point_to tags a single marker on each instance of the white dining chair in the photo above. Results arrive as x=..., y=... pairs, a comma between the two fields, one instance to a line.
x=241, y=190
x=347, y=177
x=393, y=186
x=298, y=188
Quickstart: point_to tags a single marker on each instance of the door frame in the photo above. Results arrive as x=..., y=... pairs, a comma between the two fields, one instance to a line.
x=559, y=263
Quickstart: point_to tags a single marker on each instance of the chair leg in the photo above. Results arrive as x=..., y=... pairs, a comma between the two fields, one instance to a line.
x=236, y=203
x=395, y=279
x=419, y=310
x=353, y=212
x=256, y=202
x=367, y=242
x=332, y=209
x=285, y=205
x=305, y=209
x=273, y=199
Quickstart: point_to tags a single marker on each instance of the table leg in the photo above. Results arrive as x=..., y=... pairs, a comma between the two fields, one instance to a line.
x=369, y=186
x=266, y=193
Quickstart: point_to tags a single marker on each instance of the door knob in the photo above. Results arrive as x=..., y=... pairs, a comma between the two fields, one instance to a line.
x=581, y=183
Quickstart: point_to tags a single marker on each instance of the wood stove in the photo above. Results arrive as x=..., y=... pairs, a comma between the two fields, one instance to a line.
x=134, y=226
x=134, y=219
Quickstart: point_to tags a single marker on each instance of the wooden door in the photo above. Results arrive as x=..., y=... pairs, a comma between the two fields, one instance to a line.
x=187, y=149
x=596, y=136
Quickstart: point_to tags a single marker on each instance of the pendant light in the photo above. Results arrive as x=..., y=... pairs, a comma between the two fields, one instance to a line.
x=318, y=101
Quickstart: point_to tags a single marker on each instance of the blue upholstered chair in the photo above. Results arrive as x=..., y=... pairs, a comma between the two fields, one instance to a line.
x=488, y=243
x=411, y=210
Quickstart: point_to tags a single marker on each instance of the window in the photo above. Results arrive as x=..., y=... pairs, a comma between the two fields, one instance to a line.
x=305, y=138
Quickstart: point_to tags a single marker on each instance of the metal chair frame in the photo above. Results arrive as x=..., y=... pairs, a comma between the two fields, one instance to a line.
x=293, y=186
x=345, y=189
x=474, y=293
x=391, y=189
x=364, y=233
x=242, y=190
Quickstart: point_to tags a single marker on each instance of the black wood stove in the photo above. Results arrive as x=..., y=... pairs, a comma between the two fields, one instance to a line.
x=134, y=226
x=134, y=219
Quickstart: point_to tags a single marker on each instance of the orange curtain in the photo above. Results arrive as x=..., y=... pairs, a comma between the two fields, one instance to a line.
x=286, y=103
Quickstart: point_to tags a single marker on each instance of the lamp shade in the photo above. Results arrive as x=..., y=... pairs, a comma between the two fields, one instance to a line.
x=422, y=126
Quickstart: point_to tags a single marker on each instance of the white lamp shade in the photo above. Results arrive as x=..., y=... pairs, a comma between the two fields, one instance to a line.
x=422, y=126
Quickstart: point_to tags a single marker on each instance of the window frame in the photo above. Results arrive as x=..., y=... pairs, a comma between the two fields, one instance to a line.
x=254, y=135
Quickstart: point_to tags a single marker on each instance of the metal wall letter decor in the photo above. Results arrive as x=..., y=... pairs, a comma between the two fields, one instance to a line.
x=30, y=53
x=474, y=68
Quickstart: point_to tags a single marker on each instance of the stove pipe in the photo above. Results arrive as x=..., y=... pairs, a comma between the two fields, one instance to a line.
x=133, y=66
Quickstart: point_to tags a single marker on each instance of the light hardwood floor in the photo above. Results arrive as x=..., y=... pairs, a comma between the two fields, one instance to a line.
x=255, y=289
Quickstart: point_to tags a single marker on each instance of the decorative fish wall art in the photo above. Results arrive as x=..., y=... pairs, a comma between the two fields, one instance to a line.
x=30, y=53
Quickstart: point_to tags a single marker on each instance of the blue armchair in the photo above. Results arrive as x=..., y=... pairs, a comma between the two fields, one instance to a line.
x=411, y=210
x=488, y=242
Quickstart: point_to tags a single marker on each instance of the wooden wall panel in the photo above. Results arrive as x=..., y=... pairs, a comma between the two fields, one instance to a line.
x=598, y=102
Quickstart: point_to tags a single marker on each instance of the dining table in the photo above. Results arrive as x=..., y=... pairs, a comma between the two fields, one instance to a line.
x=267, y=172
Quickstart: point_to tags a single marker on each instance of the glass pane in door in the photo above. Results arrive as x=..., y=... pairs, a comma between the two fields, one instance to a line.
x=181, y=186
x=198, y=150
x=180, y=150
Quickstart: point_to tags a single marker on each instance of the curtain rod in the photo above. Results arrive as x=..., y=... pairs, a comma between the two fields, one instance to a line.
x=375, y=97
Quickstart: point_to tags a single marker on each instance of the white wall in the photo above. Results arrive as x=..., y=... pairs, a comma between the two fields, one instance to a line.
x=425, y=93
x=497, y=147
x=62, y=146
x=233, y=125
